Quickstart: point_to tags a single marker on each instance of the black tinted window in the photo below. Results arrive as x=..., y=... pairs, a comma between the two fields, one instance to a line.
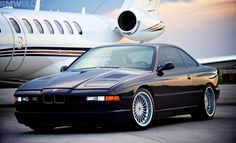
x=49, y=26
x=28, y=26
x=61, y=30
x=170, y=54
x=189, y=62
x=15, y=25
x=69, y=28
x=39, y=26
x=78, y=27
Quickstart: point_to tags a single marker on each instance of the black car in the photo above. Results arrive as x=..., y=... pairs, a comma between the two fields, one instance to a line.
x=132, y=84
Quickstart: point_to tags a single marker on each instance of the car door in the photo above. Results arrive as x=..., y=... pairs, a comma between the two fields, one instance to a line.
x=195, y=70
x=176, y=83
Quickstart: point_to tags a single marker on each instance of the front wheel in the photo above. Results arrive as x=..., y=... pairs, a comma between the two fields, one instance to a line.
x=143, y=109
x=207, y=107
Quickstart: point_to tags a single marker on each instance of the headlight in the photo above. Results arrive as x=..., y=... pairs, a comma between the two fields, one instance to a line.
x=103, y=98
x=25, y=99
x=22, y=99
x=95, y=98
x=18, y=99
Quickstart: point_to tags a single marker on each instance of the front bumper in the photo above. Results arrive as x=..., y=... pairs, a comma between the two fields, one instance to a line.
x=74, y=110
x=73, y=118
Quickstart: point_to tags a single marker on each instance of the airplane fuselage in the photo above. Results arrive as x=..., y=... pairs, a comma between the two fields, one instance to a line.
x=35, y=43
x=65, y=37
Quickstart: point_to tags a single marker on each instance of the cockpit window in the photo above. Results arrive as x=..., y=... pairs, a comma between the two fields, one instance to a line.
x=15, y=25
x=61, y=30
x=28, y=26
x=69, y=28
x=49, y=26
x=78, y=27
x=39, y=26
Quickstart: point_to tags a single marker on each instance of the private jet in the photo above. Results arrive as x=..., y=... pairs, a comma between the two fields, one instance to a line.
x=35, y=43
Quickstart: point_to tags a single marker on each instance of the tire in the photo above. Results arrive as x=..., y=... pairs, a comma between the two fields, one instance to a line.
x=207, y=107
x=142, y=109
x=41, y=128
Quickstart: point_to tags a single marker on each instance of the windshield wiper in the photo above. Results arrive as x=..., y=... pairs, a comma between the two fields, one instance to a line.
x=75, y=70
x=110, y=67
x=88, y=68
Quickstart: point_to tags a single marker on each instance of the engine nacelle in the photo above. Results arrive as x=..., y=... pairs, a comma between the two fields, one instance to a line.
x=140, y=26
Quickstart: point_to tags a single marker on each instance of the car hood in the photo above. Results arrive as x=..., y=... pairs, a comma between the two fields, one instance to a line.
x=85, y=79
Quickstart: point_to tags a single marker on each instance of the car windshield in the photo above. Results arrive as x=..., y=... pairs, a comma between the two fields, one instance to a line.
x=138, y=57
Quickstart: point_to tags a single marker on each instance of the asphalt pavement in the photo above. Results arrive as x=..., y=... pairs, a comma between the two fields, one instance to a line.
x=179, y=129
x=6, y=96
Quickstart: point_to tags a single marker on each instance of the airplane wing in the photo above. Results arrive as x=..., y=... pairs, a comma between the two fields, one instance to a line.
x=219, y=62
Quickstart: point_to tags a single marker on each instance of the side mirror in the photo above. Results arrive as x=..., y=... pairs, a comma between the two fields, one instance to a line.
x=63, y=68
x=166, y=66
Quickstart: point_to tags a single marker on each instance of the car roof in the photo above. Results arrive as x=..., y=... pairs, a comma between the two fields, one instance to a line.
x=157, y=45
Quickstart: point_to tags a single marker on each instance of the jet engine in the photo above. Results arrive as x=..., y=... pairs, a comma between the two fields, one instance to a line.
x=139, y=26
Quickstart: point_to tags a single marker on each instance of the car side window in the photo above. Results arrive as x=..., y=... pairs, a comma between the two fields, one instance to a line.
x=188, y=61
x=170, y=54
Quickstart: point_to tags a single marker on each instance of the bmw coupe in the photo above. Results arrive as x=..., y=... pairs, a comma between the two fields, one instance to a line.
x=130, y=83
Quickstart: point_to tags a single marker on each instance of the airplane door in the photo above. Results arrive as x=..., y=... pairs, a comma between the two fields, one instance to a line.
x=19, y=43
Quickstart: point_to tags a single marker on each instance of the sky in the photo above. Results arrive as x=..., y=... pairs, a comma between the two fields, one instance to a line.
x=204, y=28
x=92, y=6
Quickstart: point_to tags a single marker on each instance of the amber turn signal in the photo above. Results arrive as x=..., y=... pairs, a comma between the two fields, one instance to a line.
x=112, y=98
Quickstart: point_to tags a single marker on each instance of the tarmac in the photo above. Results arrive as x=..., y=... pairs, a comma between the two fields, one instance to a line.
x=6, y=96
x=178, y=129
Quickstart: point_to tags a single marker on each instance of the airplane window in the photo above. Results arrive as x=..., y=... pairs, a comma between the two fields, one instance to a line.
x=28, y=26
x=15, y=25
x=78, y=27
x=39, y=26
x=69, y=27
x=49, y=26
x=61, y=30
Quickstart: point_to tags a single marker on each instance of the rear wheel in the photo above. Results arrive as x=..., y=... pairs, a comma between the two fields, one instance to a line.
x=207, y=106
x=142, y=109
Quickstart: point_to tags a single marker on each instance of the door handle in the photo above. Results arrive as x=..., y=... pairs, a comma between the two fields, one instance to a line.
x=189, y=77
